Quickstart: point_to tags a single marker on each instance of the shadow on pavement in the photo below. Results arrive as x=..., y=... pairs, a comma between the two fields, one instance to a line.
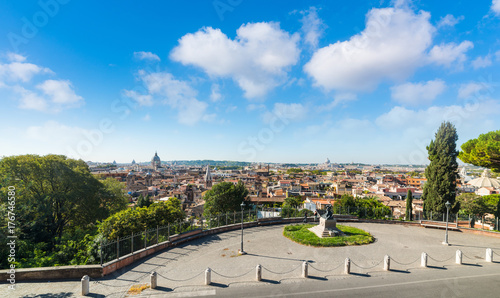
x=219, y=285
x=360, y=274
x=278, y=258
x=399, y=271
x=270, y=281
x=51, y=295
x=437, y=267
x=318, y=278
x=163, y=289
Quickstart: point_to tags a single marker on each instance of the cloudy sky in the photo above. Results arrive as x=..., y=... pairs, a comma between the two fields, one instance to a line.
x=286, y=81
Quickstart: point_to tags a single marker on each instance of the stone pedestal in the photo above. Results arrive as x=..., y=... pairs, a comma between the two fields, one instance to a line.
x=326, y=228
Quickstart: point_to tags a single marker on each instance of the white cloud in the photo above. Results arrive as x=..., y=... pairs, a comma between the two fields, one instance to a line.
x=463, y=116
x=60, y=92
x=414, y=94
x=16, y=57
x=141, y=99
x=257, y=59
x=392, y=46
x=312, y=27
x=497, y=55
x=472, y=89
x=450, y=54
x=53, y=131
x=340, y=98
x=20, y=71
x=495, y=7
x=449, y=21
x=146, y=56
x=30, y=100
x=146, y=118
x=215, y=93
x=164, y=88
x=231, y=108
x=481, y=62
x=291, y=111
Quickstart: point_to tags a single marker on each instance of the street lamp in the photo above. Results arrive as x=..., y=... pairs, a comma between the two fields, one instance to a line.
x=242, y=252
x=447, y=204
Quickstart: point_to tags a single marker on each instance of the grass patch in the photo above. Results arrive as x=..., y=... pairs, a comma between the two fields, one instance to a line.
x=353, y=236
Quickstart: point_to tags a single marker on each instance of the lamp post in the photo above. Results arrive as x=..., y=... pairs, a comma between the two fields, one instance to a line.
x=242, y=252
x=447, y=204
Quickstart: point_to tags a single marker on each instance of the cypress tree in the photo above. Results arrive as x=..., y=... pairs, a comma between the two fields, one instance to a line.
x=441, y=173
x=409, y=205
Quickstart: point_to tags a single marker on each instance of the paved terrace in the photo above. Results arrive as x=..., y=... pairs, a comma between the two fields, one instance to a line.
x=181, y=269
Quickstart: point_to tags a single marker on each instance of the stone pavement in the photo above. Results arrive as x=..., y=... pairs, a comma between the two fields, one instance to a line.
x=181, y=269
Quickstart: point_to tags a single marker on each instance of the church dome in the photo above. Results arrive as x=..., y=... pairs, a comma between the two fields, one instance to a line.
x=485, y=181
x=155, y=161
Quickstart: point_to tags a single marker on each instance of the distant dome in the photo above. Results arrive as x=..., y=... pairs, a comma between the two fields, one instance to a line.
x=130, y=174
x=485, y=181
x=327, y=161
x=148, y=174
x=155, y=161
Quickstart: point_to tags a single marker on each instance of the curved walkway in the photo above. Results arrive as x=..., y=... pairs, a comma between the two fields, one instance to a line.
x=180, y=269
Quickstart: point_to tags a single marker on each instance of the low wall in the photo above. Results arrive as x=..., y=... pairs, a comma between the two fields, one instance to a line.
x=52, y=273
x=96, y=271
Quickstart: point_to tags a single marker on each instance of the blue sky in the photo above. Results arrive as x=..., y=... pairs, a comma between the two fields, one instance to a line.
x=286, y=81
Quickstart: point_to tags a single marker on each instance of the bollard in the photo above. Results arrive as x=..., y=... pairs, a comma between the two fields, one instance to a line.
x=489, y=255
x=85, y=285
x=347, y=268
x=423, y=261
x=387, y=263
x=154, y=280
x=208, y=276
x=304, y=270
x=258, y=273
x=458, y=259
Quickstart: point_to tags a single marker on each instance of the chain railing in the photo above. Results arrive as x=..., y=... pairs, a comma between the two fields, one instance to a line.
x=291, y=268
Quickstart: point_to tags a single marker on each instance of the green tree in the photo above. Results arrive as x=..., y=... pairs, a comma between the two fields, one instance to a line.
x=115, y=194
x=441, y=173
x=224, y=197
x=293, y=202
x=409, y=205
x=53, y=194
x=472, y=204
x=483, y=151
x=137, y=220
x=143, y=201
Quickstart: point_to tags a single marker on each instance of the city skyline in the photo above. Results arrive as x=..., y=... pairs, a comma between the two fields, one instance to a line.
x=365, y=82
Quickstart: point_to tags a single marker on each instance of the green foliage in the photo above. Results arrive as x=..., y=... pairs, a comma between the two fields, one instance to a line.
x=293, y=202
x=366, y=207
x=53, y=193
x=288, y=211
x=137, y=220
x=224, y=197
x=483, y=151
x=409, y=205
x=472, y=204
x=143, y=201
x=353, y=236
x=441, y=173
x=294, y=170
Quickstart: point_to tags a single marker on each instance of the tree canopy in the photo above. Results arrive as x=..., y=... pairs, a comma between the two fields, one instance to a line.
x=55, y=192
x=483, y=151
x=137, y=220
x=409, y=205
x=224, y=197
x=441, y=173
